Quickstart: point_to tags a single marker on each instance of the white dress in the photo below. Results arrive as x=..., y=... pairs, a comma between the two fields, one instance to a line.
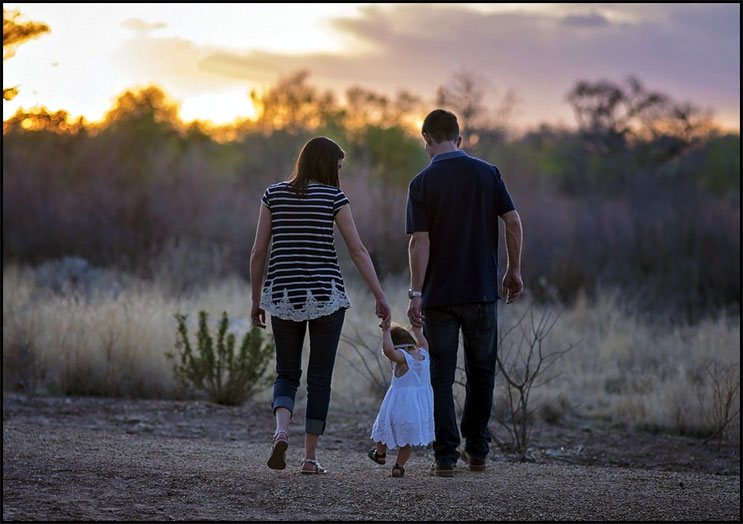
x=406, y=414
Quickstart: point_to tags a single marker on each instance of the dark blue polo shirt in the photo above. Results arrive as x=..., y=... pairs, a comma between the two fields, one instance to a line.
x=458, y=199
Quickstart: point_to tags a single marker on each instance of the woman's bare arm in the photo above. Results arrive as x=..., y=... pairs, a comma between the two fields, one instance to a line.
x=258, y=257
x=362, y=260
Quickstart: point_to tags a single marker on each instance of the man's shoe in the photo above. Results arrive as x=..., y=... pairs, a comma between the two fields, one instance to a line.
x=441, y=469
x=475, y=464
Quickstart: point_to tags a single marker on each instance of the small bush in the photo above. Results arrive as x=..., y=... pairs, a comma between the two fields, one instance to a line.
x=75, y=275
x=227, y=378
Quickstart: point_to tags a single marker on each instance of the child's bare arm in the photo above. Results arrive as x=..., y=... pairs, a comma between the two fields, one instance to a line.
x=388, y=348
x=422, y=342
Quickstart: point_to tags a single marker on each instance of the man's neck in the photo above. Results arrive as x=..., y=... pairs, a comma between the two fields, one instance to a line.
x=443, y=147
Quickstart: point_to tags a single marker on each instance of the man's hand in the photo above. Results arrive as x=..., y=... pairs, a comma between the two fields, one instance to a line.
x=415, y=312
x=513, y=286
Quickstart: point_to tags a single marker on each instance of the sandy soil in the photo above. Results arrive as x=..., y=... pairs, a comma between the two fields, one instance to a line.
x=118, y=459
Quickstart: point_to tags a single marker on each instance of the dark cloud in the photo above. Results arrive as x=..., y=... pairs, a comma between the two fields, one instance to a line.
x=590, y=20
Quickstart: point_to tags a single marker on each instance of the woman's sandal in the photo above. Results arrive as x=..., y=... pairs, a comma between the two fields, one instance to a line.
x=398, y=471
x=379, y=458
x=317, y=470
x=277, y=460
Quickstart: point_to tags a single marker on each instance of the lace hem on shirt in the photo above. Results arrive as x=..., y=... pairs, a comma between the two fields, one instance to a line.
x=311, y=308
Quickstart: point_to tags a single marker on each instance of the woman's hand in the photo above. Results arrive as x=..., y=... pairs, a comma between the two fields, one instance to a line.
x=258, y=316
x=384, y=312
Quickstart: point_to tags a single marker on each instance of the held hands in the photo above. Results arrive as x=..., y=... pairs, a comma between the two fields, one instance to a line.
x=513, y=286
x=384, y=312
x=415, y=313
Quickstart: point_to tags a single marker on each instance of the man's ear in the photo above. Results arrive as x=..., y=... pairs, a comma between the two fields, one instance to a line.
x=427, y=139
x=459, y=141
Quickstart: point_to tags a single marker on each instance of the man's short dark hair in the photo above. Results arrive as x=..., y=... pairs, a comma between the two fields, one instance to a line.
x=441, y=125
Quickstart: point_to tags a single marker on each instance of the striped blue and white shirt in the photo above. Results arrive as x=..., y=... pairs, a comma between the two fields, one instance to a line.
x=303, y=280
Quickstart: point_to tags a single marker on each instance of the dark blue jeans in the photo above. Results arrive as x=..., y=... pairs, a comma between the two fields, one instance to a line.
x=325, y=332
x=479, y=326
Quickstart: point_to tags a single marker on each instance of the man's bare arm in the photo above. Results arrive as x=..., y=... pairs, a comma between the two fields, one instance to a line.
x=418, y=253
x=513, y=285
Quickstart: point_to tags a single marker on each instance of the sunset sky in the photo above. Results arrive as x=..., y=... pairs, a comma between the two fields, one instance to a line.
x=207, y=57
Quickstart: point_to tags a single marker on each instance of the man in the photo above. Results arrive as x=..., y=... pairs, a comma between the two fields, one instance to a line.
x=452, y=211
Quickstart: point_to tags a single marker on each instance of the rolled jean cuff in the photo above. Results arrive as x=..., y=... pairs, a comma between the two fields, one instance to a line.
x=283, y=402
x=314, y=427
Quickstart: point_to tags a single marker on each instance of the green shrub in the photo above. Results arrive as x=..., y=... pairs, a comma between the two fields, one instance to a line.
x=227, y=378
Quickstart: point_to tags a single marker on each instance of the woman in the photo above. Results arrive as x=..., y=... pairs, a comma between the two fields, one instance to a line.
x=304, y=287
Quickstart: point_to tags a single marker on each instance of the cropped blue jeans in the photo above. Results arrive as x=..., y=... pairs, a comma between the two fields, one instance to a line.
x=325, y=332
x=479, y=326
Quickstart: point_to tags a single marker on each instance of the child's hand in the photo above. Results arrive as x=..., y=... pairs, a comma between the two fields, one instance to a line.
x=385, y=326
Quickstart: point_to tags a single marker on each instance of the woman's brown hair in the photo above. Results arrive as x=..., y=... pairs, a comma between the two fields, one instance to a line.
x=318, y=161
x=401, y=336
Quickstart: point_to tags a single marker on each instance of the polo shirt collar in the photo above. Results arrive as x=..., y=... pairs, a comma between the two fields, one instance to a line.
x=450, y=154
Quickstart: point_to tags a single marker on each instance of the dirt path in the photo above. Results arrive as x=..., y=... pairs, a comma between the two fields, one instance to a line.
x=113, y=459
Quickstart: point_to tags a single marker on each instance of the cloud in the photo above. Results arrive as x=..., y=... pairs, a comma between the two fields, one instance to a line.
x=590, y=20
x=140, y=27
x=691, y=52
x=175, y=64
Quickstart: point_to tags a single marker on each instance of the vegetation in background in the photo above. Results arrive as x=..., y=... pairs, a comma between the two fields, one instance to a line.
x=643, y=196
x=228, y=378
x=629, y=371
x=523, y=366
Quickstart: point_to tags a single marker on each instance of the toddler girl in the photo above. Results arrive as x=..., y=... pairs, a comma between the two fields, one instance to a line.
x=405, y=417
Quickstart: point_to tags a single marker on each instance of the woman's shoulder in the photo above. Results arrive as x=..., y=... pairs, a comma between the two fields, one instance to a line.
x=324, y=188
x=278, y=186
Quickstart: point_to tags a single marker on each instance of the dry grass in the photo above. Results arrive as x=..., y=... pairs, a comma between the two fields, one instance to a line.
x=628, y=370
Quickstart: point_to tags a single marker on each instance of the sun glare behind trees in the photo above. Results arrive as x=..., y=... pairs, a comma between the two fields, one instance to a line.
x=16, y=32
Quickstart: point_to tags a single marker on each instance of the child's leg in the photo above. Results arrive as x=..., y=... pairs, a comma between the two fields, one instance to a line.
x=403, y=454
x=378, y=452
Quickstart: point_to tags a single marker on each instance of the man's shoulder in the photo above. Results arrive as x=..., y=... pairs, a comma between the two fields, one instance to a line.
x=482, y=163
x=472, y=162
x=417, y=179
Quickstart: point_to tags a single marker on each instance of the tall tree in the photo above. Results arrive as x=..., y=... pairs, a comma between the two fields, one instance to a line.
x=465, y=93
x=612, y=116
x=15, y=33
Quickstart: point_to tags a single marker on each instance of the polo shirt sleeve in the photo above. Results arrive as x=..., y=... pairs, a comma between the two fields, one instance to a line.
x=415, y=219
x=504, y=203
x=339, y=201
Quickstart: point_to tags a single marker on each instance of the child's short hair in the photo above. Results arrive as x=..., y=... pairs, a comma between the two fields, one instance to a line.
x=401, y=336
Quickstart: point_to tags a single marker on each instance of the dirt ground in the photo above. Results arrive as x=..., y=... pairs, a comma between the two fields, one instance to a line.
x=118, y=459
